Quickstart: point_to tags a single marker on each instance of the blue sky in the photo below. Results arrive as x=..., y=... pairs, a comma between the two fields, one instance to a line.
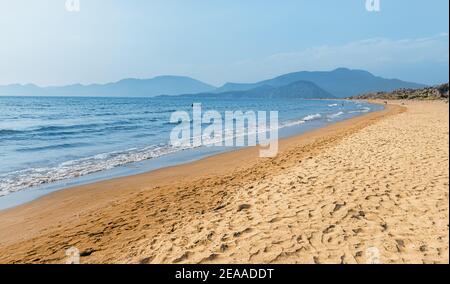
x=217, y=41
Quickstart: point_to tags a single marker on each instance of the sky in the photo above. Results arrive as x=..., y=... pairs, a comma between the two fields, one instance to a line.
x=218, y=41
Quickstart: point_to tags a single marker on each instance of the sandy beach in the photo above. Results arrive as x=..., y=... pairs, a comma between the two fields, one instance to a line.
x=372, y=185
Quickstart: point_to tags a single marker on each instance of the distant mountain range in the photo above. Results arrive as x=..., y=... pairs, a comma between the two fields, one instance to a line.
x=162, y=85
x=339, y=83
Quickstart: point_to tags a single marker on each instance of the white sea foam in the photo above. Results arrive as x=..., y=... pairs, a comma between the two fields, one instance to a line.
x=312, y=117
x=19, y=180
x=335, y=115
x=292, y=123
x=362, y=110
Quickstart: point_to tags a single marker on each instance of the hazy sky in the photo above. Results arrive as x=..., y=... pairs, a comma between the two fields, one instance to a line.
x=219, y=40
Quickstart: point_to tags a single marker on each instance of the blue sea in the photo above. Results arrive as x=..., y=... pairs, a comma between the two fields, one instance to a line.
x=49, y=143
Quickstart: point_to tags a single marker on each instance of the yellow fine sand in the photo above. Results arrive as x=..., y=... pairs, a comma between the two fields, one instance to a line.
x=371, y=189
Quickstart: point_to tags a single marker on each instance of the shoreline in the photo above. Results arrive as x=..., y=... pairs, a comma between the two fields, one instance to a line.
x=284, y=140
x=183, y=157
x=122, y=220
